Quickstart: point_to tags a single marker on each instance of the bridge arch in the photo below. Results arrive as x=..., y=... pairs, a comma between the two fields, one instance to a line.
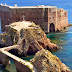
x=52, y=27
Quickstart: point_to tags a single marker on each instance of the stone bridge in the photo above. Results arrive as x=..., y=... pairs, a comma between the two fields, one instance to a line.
x=21, y=65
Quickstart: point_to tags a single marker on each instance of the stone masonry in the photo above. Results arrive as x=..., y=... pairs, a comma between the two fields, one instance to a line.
x=49, y=18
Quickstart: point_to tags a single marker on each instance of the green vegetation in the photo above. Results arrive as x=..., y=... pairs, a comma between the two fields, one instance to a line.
x=33, y=25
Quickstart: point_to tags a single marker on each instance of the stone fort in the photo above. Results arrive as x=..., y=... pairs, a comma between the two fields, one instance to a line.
x=49, y=18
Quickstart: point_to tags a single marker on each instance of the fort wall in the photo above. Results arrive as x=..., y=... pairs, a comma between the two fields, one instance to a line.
x=48, y=17
x=36, y=15
x=52, y=17
x=5, y=15
x=62, y=20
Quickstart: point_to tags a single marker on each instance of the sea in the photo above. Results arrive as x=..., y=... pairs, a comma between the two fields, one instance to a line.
x=64, y=40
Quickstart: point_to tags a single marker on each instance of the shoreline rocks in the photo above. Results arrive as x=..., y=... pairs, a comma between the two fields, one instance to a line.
x=31, y=39
x=45, y=61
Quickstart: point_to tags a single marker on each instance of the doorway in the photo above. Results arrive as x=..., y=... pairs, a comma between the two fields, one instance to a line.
x=23, y=18
x=52, y=28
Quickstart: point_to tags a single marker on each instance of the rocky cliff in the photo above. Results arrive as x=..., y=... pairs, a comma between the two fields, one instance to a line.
x=45, y=61
x=29, y=36
x=30, y=39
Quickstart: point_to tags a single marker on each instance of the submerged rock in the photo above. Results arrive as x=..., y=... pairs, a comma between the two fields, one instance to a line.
x=30, y=37
x=45, y=61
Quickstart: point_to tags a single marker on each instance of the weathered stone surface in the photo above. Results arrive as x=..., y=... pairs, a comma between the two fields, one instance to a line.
x=44, y=16
x=29, y=36
x=45, y=61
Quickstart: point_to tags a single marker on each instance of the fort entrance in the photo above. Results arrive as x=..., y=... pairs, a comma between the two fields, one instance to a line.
x=52, y=28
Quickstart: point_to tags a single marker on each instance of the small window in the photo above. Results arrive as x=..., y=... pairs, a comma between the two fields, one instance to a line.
x=54, y=12
x=53, y=17
x=65, y=13
x=50, y=10
x=50, y=17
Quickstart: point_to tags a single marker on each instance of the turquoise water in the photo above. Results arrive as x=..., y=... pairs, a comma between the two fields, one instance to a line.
x=11, y=67
x=8, y=68
x=65, y=41
x=28, y=57
x=65, y=54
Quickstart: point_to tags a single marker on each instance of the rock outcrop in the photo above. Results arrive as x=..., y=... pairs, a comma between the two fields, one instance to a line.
x=29, y=36
x=30, y=39
x=45, y=61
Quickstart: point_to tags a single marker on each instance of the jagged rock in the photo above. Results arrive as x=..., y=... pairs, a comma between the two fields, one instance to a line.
x=29, y=36
x=45, y=61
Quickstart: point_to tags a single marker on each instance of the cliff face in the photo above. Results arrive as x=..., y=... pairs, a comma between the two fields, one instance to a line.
x=29, y=36
x=45, y=61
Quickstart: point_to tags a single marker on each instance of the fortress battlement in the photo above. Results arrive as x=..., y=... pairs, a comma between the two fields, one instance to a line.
x=49, y=18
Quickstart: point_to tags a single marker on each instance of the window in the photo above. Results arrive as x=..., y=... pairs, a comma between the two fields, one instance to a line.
x=50, y=17
x=54, y=12
x=53, y=17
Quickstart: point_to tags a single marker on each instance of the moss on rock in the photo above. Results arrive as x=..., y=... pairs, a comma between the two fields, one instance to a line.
x=45, y=61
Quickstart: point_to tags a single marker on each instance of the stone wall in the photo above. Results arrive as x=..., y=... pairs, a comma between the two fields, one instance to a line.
x=41, y=16
x=61, y=24
x=3, y=59
x=36, y=15
x=5, y=15
x=62, y=20
x=52, y=17
x=21, y=67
